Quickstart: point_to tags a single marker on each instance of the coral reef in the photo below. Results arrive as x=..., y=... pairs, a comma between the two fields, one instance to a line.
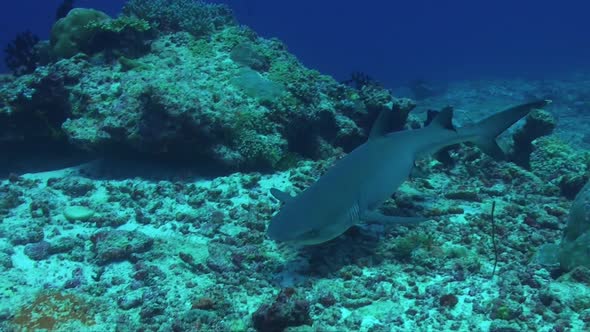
x=90, y=31
x=284, y=312
x=141, y=241
x=21, y=55
x=557, y=162
x=154, y=246
x=196, y=17
x=73, y=34
x=539, y=123
x=250, y=104
x=575, y=245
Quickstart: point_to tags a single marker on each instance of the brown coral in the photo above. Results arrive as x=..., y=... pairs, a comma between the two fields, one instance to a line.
x=50, y=309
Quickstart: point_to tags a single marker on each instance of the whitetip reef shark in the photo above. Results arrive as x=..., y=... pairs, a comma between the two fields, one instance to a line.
x=355, y=186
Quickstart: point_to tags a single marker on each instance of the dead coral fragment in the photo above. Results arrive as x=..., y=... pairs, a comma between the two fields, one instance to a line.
x=448, y=300
x=287, y=310
x=464, y=195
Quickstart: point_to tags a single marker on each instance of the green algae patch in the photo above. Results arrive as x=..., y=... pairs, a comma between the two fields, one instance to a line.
x=78, y=213
x=120, y=24
x=246, y=54
x=257, y=86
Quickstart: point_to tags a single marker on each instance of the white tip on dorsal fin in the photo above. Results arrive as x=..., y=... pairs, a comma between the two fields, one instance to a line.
x=280, y=195
x=382, y=125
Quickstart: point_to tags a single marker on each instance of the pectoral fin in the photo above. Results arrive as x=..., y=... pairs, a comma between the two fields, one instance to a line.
x=376, y=217
x=280, y=195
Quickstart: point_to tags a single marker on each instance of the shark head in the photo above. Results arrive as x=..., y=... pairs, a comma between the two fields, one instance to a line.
x=289, y=226
x=278, y=229
x=297, y=226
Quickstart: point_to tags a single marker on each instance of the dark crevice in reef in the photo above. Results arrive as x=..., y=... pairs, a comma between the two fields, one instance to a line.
x=133, y=165
x=34, y=155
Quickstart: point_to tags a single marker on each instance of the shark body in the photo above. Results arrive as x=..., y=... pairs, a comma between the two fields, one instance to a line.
x=354, y=187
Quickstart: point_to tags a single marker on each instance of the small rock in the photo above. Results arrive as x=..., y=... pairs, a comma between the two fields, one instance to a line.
x=130, y=301
x=119, y=245
x=65, y=244
x=448, y=300
x=78, y=213
x=37, y=251
x=204, y=303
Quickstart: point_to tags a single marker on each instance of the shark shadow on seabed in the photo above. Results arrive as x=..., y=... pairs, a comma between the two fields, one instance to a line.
x=360, y=245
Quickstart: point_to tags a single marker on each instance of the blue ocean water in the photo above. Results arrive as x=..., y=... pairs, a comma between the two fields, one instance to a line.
x=297, y=166
x=393, y=41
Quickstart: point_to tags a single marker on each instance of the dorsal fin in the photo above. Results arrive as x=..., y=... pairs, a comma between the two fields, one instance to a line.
x=430, y=115
x=382, y=124
x=280, y=195
x=443, y=119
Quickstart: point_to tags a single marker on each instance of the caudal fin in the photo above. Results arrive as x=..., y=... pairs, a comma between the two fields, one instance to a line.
x=489, y=128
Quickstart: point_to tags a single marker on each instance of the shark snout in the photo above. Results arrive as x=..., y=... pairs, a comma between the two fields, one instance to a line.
x=280, y=229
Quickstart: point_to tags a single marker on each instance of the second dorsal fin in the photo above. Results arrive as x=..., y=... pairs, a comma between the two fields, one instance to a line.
x=442, y=119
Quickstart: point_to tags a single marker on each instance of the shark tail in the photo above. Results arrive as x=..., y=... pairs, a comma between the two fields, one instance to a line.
x=486, y=131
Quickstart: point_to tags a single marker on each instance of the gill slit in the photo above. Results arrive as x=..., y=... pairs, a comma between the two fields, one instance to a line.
x=354, y=213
